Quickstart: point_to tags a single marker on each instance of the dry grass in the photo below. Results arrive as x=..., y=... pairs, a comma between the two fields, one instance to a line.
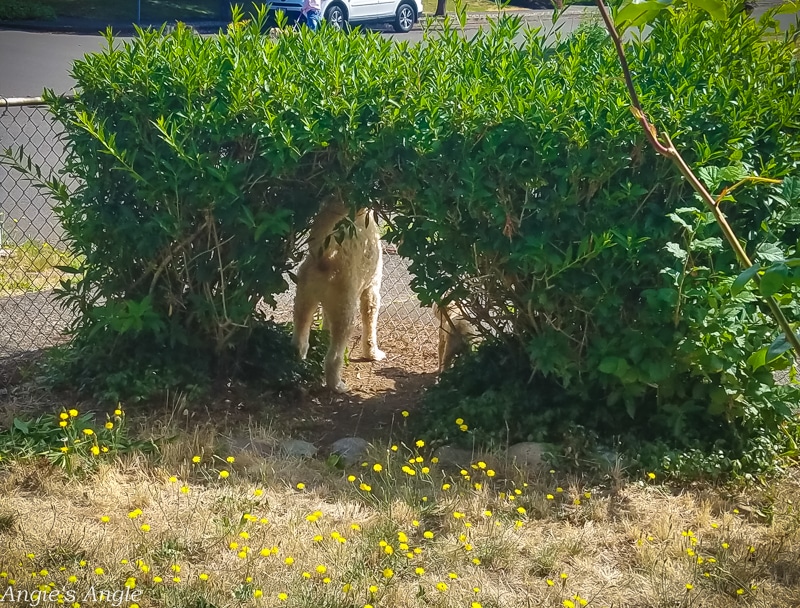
x=181, y=535
x=30, y=267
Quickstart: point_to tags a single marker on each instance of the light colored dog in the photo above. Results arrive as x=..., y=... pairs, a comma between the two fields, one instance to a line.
x=340, y=276
x=456, y=333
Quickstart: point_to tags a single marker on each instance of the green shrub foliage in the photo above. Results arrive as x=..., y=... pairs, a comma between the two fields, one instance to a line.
x=516, y=176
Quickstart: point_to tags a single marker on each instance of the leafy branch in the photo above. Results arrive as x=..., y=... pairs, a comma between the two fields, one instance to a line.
x=634, y=13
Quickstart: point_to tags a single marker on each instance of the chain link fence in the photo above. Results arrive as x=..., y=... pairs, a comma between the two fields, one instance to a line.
x=32, y=246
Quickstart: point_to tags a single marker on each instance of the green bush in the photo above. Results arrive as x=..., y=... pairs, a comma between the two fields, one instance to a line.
x=23, y=10
x=518, y=180
x=594, y=262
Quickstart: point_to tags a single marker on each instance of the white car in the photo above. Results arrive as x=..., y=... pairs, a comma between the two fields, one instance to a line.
x=402, y=14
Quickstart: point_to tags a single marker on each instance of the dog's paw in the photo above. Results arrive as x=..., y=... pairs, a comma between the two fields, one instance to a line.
x=376, y=355
x=339, y=387
x=302, y=351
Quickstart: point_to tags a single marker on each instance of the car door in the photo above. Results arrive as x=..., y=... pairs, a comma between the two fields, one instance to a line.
x=364, y=10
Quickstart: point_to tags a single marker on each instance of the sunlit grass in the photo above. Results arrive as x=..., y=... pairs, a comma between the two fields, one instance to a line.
x=31, y=266
x=199, y=525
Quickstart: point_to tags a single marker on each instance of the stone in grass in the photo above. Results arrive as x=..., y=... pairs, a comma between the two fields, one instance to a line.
x=457, y=458
x=298, y=448
x=261, y=447
x=352, y=450
x=528, y=455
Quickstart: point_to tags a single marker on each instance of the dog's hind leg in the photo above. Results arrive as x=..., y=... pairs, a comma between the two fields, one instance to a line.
x=370, y=305
x=340, y=319
x=305, y=305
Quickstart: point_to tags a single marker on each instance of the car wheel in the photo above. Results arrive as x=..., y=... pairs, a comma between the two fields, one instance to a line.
x=335, y=17
x=404, y=18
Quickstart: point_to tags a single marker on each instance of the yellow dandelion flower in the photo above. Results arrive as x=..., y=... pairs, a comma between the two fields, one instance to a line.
x=419, y=443
x=99, y=571
x=377, y=467
x=549, y=497
x=283, y=596
x=118, y=411
x=394, y=448
x=463, y=428
x=476, y=605
x=288, y=561
x=452, y=575
x=404, y=413
x=145, y=527
x=230, y=459
x=257, y=593
x=425, y=470
x=351, y=478
x=365, y=487
x=158, y=579
x=689, y=586
x=88, y=432
x=740, y=591
x=176, y=579
x=62, y=424
x=459, y=421
x=388, y=573
x=321, y=569
x=355, y=527
x=428, y=534
x=651, y=476
x=725, y=545
x=563, y=576
x=109, y=425
x=223, y=474
x=135, y=513
x=203, y=576
x=301, y=486
x=373, y=588
x=184, y=489
x=73, y=413
x=487, y=513
x=568, y=604
x=441, y=586
x=419, y=571
x=346, y=588
x=195, y=459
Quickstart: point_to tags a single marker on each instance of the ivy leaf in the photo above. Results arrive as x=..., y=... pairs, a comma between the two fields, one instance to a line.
x=774, y=279
x=769, y=252
x=743, y=279
x=777, y=348
x=790, y=189
x=676, y=250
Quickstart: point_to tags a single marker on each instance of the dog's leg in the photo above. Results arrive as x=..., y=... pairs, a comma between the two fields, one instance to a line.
x=340, y=325
x=370, y=305
x=305, y=305
x=442, y=348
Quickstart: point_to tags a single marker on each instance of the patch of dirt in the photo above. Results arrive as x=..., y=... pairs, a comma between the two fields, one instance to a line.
x=379, y=392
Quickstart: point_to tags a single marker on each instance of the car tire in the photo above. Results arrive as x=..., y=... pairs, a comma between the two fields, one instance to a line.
x=336, y=16
x=405, y=17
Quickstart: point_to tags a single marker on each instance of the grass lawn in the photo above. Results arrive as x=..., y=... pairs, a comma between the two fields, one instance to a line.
x=30, y=267
x=202, y=524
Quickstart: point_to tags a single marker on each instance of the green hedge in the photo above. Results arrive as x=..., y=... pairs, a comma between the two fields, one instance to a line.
x=518, y=179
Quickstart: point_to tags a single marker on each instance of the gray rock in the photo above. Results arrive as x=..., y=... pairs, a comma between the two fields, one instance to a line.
x=248, y=444
x=453, y=457
x=528, y=455
x=351, y=449
x=298, y=448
